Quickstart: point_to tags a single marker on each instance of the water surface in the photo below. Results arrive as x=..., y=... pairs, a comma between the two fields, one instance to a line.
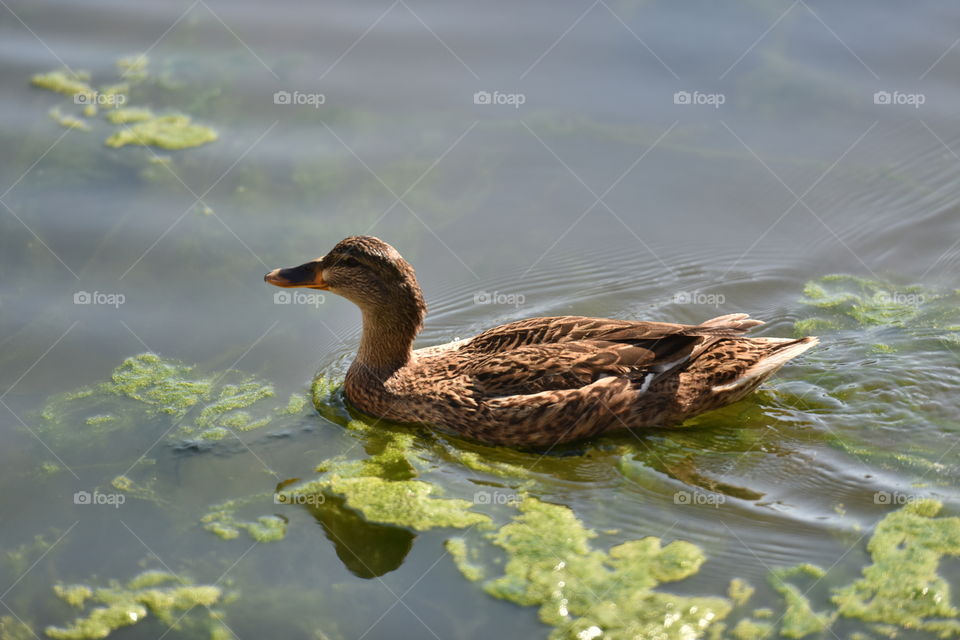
x=598, y=195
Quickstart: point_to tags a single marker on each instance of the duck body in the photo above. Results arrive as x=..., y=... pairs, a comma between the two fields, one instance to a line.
x=535, y=382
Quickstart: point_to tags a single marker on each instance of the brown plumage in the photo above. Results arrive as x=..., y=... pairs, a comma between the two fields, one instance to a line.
x=534, y=382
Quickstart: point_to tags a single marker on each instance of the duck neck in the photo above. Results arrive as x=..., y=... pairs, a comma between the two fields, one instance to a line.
x=387, y=341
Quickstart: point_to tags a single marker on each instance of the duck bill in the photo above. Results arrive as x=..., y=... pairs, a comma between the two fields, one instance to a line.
x=308, y=275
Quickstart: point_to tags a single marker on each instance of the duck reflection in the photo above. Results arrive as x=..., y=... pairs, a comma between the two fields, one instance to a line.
x=366, y=549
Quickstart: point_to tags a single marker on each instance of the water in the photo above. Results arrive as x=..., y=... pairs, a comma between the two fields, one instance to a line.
x=598, y=195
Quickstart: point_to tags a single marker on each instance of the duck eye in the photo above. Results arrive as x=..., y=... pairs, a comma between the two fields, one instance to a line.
x=349, y=262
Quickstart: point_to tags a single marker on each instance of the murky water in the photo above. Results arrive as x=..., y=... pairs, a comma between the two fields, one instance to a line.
x=648, y=160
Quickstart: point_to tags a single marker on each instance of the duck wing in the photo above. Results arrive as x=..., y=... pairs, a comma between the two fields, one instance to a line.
x=568, y=352
x=565, y=329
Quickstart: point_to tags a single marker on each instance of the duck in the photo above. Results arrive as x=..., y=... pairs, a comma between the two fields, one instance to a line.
x=537, y=382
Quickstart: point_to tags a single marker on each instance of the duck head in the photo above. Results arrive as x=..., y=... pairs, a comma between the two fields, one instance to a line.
x=374, y=276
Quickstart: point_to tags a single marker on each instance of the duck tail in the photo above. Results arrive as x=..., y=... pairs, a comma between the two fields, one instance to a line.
x=729, y=326
x=780, y=351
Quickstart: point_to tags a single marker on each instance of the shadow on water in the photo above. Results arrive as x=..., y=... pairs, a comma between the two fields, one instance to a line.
x=367, y=550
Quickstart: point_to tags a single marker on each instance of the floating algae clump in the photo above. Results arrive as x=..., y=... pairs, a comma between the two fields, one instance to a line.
x=122, y=606
x=751, y=630
x=13, y=629
x=457, y=548
x=74, y=595
x=161, y=384
x=228, y=405
x=133, y=68
x=295, y=405
x=846, y=302
x=65, y=82
x=173, y=131
x=902, y=586
x=586, y=593
x=68, y=121
x=166, y=132
x=222, y=521
x=161, y=387
x=740, y=591
x=403, y=502
x=128, y=115
x=799, y=619
x=406, y=503
x=383, y=490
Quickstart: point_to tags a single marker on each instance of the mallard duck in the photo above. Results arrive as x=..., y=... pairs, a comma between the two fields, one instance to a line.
x=534, y=382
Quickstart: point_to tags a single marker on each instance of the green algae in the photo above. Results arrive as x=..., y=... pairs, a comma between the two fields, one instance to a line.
x=13, y=629
x=123, y=606
x=383, y=488
x=267, y=529
x=404, y=503
x=842, y=301
x=162, y=388
x=799, y=619
x=457, y=548
x=901, y=589
x=163, y=385
x=139, y=125
x=65, y=82
x=740, y=591
x=223, y=522
x=122, y=483
x=295, y=405
x=74, y=595
x=747, y=629
x=586, y=593
x=101, y=622
x=902, y=586
x=877, y=319
x=167, y=132
x=408, y=503
x=129, y=114
x=151, y=578
x=133, y=68
x=227, y=408
x=68, y=121
x=50, y=468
